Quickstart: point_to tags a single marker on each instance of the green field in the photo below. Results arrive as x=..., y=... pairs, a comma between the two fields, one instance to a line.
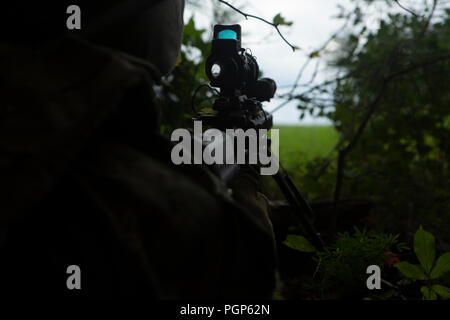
x=302, y=143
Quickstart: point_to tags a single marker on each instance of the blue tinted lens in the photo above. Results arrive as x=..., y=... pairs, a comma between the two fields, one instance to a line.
x=227, y=34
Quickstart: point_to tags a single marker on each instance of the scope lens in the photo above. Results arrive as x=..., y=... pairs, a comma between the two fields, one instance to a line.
x=228, y=34
x=216, y=70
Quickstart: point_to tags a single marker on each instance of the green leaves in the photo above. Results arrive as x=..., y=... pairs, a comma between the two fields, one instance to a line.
x=399, y=40
x=299, y=243
x=424, y=249
x=279, y=20
x=444, y=292
x=428, y=293
x=431, y=293
x=193, y=36
x=442, y=266
x=412, y=271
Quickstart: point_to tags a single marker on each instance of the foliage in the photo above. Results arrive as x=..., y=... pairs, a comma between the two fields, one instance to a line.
x=342, y=266
x=341, y=271
x=174, y=95
x=402, y=157
x=390, y=105
x=279, y=20
x=299, y=243
x=429, y=270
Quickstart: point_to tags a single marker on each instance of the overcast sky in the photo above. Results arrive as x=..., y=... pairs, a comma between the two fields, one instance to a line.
x=313, y=25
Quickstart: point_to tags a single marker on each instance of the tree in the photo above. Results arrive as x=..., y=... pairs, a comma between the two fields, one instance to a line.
x=391, y=106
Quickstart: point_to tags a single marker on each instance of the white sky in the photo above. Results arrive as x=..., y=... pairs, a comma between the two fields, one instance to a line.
x=313, y=25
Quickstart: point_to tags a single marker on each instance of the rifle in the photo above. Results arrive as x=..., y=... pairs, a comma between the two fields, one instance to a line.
x=235, y=72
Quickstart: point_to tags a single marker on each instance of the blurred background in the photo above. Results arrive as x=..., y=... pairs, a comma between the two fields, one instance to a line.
x=363, y=108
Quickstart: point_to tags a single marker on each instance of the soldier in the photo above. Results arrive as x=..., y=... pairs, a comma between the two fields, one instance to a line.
x=87, y=180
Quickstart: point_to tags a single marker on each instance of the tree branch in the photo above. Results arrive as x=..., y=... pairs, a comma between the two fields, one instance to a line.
x=346, y=150
x=311, y=56
x=406, y=9
x=417, y=66
x=246, y=15
x=290, y=97
x=428, y=21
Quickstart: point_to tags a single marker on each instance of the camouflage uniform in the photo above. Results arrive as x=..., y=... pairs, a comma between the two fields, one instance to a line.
x=86, y=179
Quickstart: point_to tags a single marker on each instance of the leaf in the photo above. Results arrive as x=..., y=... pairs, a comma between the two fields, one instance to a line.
x=428, y=293
x=180, y=61
x=412, y=271
x=303, y=98
x=278, y=20
x=442, y=266
x=442, y=291
x=302, y=115
x=314, y=54
x=193, y=36
x=424, y=249
x=299, y=243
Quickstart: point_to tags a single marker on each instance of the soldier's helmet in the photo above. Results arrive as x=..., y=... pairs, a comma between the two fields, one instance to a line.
x=148, y=29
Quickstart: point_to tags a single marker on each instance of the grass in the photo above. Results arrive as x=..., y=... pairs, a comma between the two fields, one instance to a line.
x=303, y=143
